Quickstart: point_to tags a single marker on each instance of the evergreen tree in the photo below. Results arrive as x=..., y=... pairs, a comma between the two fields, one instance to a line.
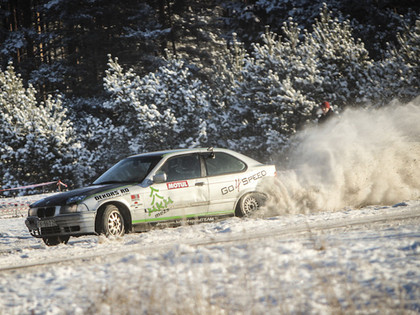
x=64, y=44
x=250, y=96
x=164, y=109
x=399, y=72
x=273, y=93
x=142, y=122
x=284, y=79
x=396, y=76
x=375, y=22
x=37, y=142
x=343, y=63
x=104, y=142
x=227, y=74
x=196, y=33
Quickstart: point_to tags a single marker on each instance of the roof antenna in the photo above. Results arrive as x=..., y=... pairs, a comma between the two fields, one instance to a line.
x=211, y=156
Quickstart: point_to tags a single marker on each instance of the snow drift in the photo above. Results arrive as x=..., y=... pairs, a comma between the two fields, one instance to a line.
x=360, y=158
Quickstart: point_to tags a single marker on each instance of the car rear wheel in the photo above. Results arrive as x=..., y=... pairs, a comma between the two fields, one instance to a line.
x=249, y=204
x=112, y=222
x=55, y=240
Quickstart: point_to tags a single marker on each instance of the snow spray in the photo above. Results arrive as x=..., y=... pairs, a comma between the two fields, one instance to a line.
x=362, y=157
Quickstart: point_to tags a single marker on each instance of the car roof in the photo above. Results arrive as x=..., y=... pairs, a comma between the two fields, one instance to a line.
x=165, y=153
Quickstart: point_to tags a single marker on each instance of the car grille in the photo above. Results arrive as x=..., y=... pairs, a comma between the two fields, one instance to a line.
x=46, y=212
x=69, y=229
x=50, y=230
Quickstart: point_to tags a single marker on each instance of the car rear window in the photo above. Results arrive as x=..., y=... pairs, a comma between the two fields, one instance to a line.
x=223, y=163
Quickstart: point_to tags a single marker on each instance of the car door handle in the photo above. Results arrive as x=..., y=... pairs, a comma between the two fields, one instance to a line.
x=199, y=184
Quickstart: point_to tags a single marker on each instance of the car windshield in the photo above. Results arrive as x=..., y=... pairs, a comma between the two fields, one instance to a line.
x=130, y=170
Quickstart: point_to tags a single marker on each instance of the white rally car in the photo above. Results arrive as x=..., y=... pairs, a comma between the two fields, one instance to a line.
x=152, y=189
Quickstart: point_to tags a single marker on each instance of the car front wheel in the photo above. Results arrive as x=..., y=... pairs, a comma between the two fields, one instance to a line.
x=55, y=240
x=112, y=222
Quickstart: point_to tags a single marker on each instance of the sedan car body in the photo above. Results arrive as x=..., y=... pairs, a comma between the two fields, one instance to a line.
x=152, y=189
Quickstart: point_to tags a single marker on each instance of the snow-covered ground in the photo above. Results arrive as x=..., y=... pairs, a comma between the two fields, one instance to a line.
x=350, y=261
x=295, y=258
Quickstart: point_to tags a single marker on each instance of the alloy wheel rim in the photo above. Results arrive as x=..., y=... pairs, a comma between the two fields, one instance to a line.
x=250, y=205
x=114, y=223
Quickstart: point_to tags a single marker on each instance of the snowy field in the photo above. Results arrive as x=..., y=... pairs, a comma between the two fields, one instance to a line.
x=364, y=261
x=294, y=258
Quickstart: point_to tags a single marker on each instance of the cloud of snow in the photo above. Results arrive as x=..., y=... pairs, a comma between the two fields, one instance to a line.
x=360, y=158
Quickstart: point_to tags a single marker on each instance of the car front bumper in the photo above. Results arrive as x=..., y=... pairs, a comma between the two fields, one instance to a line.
x=74, y=224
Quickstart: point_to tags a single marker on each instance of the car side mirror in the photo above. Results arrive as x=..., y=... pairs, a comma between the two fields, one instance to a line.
x=159, y=178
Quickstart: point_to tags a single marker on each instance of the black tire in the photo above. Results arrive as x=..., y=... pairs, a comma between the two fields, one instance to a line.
x=112, y=222
x=249, y=204
x=56, y=240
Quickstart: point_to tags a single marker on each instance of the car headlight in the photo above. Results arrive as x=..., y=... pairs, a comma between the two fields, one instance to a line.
x=72, y=205
x=73, y=208
x=32, y=212
x=75, y=199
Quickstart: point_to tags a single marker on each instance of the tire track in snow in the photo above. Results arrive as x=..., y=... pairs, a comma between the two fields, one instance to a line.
x=301, y=228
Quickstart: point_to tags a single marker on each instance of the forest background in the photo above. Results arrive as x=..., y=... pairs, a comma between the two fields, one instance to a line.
x=85, y=83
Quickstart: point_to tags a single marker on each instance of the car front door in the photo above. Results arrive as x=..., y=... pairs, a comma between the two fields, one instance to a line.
x=184, y=194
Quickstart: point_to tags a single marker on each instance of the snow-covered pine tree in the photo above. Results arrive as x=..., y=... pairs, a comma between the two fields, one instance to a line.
x=342, y=61
x=398, y=74
x=37, y=142
x=104, y=142
x=164, y=109
x=272, y=94
x=226, y=75
x=138, y=120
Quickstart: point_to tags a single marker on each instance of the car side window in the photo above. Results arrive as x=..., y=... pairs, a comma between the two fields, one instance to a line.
x=222, y=163
x=182, y=168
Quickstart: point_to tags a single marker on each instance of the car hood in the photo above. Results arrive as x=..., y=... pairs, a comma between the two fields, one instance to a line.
x=61, y=198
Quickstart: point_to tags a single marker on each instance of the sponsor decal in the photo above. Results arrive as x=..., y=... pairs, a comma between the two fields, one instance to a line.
x=159, y=203
x=254, y=177
x=135, y=201
x=189, y=220
x=177, y=185
x=112, y=194
x=135, y=197
x=161, y=213
x=244, y=181
x=237, y=184
x=227, y=189
x=204, y=219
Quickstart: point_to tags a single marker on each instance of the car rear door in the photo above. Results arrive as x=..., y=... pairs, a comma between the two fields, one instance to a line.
x=224, y=173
